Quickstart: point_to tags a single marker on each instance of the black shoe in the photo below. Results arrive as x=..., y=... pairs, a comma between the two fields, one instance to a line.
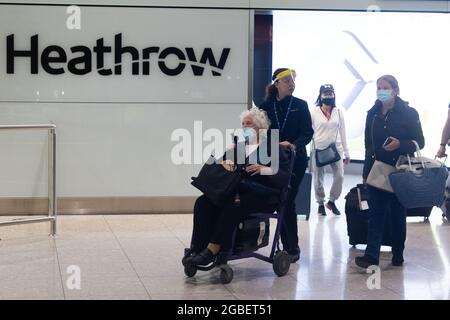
x=397, y=261
x=330, y=205
x=204, y=258
x=294, y=255
x=365, y=262
x=321, y=210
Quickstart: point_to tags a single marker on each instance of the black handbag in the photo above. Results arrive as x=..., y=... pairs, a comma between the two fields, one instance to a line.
x=216, y=182
x=328, y=155
x=247, y=184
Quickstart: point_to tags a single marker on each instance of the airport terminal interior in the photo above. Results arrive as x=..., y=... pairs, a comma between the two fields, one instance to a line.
x=139, y=257
x=109, y=109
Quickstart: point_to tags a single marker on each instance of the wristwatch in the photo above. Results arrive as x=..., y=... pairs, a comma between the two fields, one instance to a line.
x=442, y=144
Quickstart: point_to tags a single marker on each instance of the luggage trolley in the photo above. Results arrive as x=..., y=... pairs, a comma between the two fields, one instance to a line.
x=279, y=259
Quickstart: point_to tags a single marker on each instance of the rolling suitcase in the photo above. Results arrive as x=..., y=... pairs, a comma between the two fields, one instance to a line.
x=303, y=198
x=357, y=215
x=419, y=212
x=252, y=234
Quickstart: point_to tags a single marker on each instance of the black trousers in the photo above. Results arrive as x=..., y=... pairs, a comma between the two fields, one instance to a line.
x=217, y=224
x=385, y=205
x=289, y=230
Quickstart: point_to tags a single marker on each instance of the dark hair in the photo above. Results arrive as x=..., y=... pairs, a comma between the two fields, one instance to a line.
x=391, y=80
x=271, y=90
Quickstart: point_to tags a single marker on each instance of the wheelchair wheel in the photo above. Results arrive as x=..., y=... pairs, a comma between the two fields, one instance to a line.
x=281, y=263
x=226, y=274
x=190, y=270
x=183, y=261
x=187, y=253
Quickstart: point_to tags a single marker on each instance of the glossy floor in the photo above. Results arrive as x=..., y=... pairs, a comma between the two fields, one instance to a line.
x=138, y=257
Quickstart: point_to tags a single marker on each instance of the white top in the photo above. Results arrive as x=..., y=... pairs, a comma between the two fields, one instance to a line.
x=325, y=131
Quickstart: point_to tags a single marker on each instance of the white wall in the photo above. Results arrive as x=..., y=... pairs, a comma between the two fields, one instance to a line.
x=103, y=149
x=114, y=132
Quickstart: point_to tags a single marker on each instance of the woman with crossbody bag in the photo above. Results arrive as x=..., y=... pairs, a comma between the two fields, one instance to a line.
x=329, y=148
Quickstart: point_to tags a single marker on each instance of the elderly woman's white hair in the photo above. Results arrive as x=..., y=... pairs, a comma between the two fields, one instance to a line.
x=259, y=117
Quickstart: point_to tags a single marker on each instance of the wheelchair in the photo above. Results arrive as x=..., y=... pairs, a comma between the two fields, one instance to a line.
x=279, y=259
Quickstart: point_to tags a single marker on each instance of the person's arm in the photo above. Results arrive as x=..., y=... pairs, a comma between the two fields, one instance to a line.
x=444, y=137
x=415, y=129
x=343, y=135
x=369, y=148
x=306, y=130
x=280, y=178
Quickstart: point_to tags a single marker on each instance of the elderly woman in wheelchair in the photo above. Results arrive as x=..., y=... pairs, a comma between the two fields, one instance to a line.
x=259, y=191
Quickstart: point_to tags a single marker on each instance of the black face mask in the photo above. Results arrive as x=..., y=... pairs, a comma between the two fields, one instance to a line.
x=328, y=101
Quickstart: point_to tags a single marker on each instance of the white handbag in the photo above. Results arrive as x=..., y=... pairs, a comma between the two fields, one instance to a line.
x=379, y=173
x=379, y=176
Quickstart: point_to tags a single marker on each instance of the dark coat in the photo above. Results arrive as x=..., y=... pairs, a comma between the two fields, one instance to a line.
x=298, y=128
x=401, y=122
x=277, y=181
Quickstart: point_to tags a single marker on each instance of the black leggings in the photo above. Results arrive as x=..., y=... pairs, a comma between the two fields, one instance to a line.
x=217, y=224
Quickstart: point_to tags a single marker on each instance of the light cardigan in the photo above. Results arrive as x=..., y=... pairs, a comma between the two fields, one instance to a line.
x=325, y=131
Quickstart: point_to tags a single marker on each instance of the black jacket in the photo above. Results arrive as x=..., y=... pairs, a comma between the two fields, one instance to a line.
x=298, y=128
x=401, y=122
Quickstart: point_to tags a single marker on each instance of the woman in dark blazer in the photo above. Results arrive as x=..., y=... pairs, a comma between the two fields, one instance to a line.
x=391, y=125
x=290, y=115
x=213, y=225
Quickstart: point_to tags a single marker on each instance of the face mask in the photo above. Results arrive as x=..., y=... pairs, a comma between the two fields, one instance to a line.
x=249, y=134
x=329, y=101
x=384, y=95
